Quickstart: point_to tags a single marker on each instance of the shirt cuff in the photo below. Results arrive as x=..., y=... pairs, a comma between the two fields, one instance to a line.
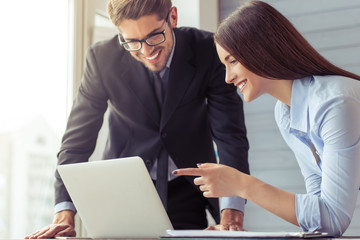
x=64, y=206
x=236, y=203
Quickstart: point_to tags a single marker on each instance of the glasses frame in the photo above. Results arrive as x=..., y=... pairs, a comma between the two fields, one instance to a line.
x=145, y=40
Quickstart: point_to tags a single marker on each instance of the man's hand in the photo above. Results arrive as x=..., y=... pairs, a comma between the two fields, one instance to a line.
x=231, y=220
x=63, y=226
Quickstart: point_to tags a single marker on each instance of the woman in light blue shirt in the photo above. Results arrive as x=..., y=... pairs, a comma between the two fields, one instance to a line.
x=318, y=114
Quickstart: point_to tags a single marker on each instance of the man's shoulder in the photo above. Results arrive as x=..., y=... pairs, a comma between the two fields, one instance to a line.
x=110, y=50
x=195, y=41
x=194, y=34
x=106, y=44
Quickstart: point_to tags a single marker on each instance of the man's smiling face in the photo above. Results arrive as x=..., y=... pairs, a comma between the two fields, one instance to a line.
x=154, y=57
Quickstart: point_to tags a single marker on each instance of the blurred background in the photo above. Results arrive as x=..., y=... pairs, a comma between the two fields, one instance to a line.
x=43, y=45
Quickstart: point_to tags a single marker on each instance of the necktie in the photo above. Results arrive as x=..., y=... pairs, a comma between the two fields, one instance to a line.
x=162, y=167
x=158, y=87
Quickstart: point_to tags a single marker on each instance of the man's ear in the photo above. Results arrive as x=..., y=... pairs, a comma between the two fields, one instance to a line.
x=173, y=17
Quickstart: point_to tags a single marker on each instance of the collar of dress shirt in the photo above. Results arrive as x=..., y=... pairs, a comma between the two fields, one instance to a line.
x=299, y=104
x=168, y=63
x=295, y=117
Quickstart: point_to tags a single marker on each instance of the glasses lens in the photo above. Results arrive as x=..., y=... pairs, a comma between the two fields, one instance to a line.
x=155, y=39
x=132, y=45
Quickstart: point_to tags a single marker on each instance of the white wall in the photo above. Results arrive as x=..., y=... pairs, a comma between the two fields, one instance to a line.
x=201, y=14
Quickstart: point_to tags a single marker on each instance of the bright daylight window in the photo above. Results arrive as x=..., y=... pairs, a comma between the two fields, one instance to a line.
x=33, y=93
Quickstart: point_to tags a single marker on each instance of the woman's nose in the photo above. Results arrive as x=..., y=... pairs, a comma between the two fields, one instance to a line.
x=229, y=77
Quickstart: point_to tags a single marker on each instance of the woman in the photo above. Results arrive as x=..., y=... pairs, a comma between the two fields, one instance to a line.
x=318, y=114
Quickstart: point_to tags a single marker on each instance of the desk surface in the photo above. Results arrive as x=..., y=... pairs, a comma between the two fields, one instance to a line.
x=210, y=238
x=81, y=238
x=343, y=238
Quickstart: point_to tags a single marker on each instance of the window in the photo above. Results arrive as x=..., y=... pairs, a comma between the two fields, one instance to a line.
x=33, y=105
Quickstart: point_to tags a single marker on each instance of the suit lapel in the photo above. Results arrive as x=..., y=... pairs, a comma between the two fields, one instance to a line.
x=142, y=88
x=181, y=74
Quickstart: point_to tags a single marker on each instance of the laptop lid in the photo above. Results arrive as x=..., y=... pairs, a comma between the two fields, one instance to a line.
x=116, y=198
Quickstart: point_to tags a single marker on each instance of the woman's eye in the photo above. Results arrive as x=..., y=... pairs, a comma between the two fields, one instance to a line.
x=233, y=61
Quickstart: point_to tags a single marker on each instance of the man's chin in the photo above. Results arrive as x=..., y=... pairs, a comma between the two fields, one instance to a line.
x=154, y=68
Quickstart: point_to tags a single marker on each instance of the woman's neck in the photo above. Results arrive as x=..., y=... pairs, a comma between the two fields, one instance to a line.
x=282, y=90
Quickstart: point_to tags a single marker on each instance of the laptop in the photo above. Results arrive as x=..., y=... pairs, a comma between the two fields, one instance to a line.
x=116, y=198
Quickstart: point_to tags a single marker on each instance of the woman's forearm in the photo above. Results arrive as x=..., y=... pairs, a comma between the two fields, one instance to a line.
x=275, y=200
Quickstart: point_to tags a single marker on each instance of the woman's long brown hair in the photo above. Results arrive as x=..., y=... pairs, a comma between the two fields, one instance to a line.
x=267, y=44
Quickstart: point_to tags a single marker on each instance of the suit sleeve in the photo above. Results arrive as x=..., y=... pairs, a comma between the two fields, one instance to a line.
x=225, y=109
x=84, y=123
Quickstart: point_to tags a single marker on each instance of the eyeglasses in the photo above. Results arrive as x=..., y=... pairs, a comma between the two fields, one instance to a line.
x=151, y=40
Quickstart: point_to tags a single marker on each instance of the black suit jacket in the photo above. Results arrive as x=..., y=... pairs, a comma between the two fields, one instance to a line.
x=199, y=107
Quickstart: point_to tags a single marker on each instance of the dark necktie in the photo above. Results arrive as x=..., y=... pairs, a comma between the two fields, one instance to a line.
x=162, y=167
x=158, y=87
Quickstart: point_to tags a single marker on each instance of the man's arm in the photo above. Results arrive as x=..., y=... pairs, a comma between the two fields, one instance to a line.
x=84, y=123
x=63, y=225
x=231, y=219
x=225, y=109
x=227, y=121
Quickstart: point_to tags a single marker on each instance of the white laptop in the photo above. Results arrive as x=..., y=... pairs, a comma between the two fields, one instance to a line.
x=116, y=198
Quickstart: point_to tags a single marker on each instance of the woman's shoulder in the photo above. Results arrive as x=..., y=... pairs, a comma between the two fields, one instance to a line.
x=327, y=88
x=334, y=83
x=332, y=94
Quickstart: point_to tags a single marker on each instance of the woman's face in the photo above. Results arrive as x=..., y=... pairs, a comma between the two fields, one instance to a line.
x=250, y=84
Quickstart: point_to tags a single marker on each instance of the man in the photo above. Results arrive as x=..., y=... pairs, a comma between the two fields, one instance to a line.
x=176, y=121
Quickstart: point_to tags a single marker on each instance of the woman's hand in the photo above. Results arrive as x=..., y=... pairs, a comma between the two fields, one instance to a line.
x=215, y=180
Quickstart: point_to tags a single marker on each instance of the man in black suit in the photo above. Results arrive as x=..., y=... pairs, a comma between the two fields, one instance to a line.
x=168, y=101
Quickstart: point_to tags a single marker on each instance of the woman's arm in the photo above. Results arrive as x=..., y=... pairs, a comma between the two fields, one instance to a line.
x=217, y=180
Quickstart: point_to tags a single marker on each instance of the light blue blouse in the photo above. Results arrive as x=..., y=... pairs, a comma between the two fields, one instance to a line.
x=325, y=110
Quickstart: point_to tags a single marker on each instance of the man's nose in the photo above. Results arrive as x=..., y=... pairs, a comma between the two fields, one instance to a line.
x=146, y=50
